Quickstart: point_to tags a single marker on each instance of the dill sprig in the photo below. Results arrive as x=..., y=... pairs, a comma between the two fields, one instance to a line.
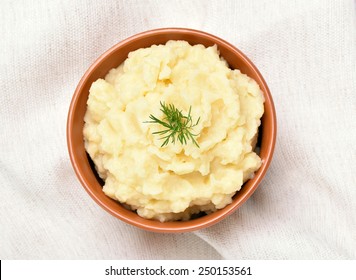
x=177, y=126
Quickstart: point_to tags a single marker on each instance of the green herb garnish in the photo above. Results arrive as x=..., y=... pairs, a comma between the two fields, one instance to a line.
x=177, y=125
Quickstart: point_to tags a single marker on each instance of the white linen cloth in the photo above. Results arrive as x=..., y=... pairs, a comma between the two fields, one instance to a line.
x=305, y=207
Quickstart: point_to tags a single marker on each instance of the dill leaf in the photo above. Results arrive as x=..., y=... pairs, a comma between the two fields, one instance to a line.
x=178, y=127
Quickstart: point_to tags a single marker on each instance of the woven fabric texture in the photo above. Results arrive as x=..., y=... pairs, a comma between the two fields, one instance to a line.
x=305, y=207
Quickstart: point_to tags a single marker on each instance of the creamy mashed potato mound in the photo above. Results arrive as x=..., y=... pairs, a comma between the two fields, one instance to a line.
x=175, y=181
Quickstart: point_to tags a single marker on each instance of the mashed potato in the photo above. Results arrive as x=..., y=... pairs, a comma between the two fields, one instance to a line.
x=175, y=181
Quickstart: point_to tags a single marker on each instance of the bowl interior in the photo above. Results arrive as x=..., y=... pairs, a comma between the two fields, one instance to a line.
x=113, y=58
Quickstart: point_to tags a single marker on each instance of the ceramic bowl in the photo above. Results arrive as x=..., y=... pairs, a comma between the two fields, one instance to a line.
x=112, y=58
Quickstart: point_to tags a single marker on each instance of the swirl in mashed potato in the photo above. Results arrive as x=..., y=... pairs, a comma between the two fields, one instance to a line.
x=175, y=181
